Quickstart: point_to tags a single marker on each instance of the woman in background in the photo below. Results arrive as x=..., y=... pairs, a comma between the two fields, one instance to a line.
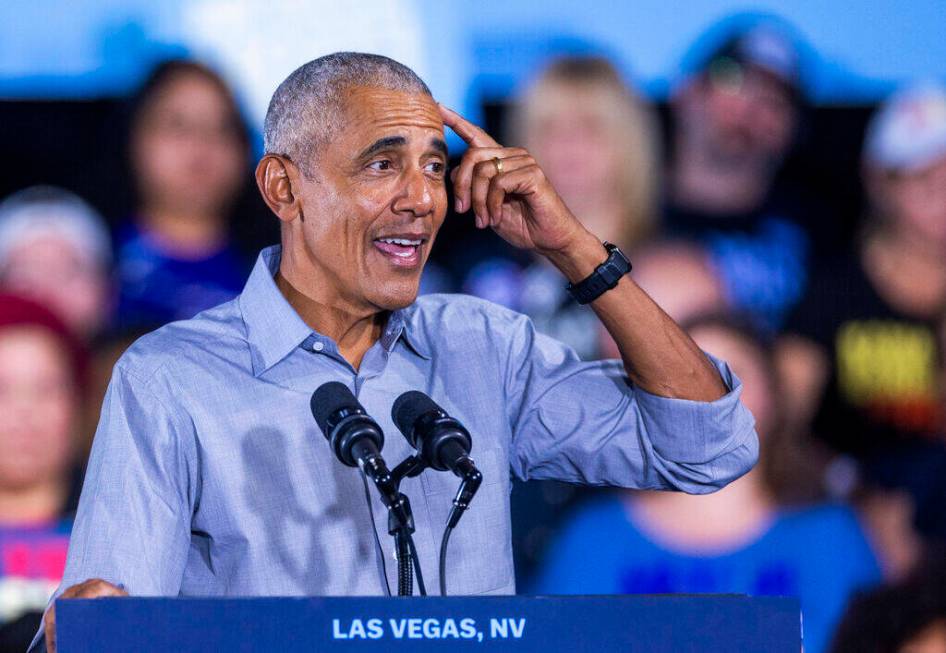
x=189, y=153
x=55, y=249
x=41, y=381
x=596, y=140
x=601, y=155
x=736, y=540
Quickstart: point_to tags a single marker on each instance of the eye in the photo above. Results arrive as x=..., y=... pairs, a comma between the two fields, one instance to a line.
x=383, y=164
x=436, y=167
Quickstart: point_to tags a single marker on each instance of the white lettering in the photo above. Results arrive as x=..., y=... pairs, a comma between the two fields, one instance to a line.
x=336, y=632
x=398, y=626
x=413, y=628
x=450, y=629
x=431, y=629
x=467, y=628
x=517, y=626
x=375, y=629
x=498, y=628
x=357, y=630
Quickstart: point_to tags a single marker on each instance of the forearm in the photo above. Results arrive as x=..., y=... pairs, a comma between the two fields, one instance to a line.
x=658, y=356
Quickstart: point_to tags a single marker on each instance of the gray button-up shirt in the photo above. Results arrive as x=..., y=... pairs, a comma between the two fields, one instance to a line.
x=209, y=477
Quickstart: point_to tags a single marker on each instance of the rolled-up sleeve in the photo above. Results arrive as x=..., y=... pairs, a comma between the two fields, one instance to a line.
x=584, y=422
x=132, y=527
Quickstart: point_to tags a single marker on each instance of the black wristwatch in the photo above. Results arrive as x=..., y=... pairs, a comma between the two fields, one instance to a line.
x=604, y=278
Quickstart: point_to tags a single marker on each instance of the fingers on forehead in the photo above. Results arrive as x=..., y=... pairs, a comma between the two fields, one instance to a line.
x=465, y=129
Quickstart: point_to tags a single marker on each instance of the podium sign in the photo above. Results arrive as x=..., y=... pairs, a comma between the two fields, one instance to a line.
x=632, y=624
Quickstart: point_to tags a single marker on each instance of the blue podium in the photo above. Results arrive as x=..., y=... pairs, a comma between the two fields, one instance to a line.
x=635, y=624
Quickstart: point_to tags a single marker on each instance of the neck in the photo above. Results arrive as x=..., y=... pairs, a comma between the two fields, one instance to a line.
x=698, y=182
x=37, y=503
x=725, y=519
x=187, y=232
x=354, y=332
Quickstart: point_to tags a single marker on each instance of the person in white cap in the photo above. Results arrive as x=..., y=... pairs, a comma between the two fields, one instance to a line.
x=860, y=358
x=56, y=249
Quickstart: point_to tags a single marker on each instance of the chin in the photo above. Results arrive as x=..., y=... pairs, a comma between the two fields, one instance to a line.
x=394, y=296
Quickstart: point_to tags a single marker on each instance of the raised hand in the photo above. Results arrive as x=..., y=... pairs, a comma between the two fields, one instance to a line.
x=508, y=191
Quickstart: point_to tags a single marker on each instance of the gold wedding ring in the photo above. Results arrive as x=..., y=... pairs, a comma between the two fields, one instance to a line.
x=499, y=165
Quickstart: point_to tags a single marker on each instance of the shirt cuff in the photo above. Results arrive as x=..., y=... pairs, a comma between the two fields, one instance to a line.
x=687, y=431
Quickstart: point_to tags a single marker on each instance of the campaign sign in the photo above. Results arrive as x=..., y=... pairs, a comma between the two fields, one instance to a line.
x=631, y=624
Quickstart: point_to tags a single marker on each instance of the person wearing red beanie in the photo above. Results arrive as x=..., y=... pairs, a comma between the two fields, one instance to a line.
x=42, y=368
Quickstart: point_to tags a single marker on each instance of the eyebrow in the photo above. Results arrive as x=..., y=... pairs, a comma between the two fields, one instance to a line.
x=382, y=144
x=390, y=142
x=439, y=144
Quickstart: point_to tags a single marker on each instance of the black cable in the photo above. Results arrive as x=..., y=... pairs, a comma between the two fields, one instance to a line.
x=420, y=575
x=405, y=575
x=443, y=559
x=374, y=531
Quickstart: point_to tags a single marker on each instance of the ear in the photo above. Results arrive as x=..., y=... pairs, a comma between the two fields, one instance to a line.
x=276, y=178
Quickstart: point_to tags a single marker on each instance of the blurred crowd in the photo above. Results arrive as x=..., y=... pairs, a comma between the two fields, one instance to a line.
x=837, y=334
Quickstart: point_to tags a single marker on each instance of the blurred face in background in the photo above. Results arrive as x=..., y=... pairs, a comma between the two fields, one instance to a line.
x=681, y=279
x=916, y=201
x=597, y=144
x=749, y=364
x=53, y=271
x=738, y=115
x=38, y=408
x=574, y=141
x=187, y=149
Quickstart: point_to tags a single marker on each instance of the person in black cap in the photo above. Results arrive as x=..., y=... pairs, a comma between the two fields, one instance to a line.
x=735, y=120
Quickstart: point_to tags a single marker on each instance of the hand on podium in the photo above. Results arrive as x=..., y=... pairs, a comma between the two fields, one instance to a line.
x=93, y=588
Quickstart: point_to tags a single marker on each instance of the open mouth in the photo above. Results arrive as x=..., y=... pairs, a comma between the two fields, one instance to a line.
x=401, y=251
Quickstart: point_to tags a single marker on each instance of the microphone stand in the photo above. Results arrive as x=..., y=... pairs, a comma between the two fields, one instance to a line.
x=400, y=517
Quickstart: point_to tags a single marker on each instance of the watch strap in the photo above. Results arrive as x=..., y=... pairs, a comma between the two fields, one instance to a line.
x=605, y=277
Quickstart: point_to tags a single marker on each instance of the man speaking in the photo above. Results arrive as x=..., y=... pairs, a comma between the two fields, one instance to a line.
x=209, y=477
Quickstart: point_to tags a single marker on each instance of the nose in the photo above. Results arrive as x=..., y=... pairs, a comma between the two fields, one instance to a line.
x=416, y=196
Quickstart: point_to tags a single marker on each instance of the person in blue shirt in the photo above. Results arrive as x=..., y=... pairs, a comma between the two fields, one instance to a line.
x=189, y=151
x=738, y=540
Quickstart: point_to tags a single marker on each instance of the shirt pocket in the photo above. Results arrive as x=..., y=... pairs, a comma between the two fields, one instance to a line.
x=479, y=554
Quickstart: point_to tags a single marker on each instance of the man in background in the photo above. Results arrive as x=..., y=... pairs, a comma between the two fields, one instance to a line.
x=735, y=121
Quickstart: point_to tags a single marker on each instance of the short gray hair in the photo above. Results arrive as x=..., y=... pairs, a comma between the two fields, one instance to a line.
x=307, y=107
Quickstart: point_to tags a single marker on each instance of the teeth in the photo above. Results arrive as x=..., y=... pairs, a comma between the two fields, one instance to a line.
x=401, y=241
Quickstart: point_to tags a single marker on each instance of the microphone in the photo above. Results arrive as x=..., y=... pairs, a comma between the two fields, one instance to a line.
x=442, y=441
x=357, y=440
x=354, y=436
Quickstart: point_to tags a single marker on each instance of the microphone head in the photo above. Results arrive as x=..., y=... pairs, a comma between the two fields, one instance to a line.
x=429, y=429
x=408, y=408
x=344, y=422
x=327, y=400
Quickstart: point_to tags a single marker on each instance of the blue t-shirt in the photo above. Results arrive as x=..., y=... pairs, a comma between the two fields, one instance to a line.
x=157, y=286
x=818, y=554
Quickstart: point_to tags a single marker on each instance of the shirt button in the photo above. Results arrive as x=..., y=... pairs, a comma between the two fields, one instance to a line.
x=318, y=346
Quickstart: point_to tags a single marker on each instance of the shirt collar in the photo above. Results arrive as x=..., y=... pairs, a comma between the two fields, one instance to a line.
x=401, y=326
x=274, y=329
